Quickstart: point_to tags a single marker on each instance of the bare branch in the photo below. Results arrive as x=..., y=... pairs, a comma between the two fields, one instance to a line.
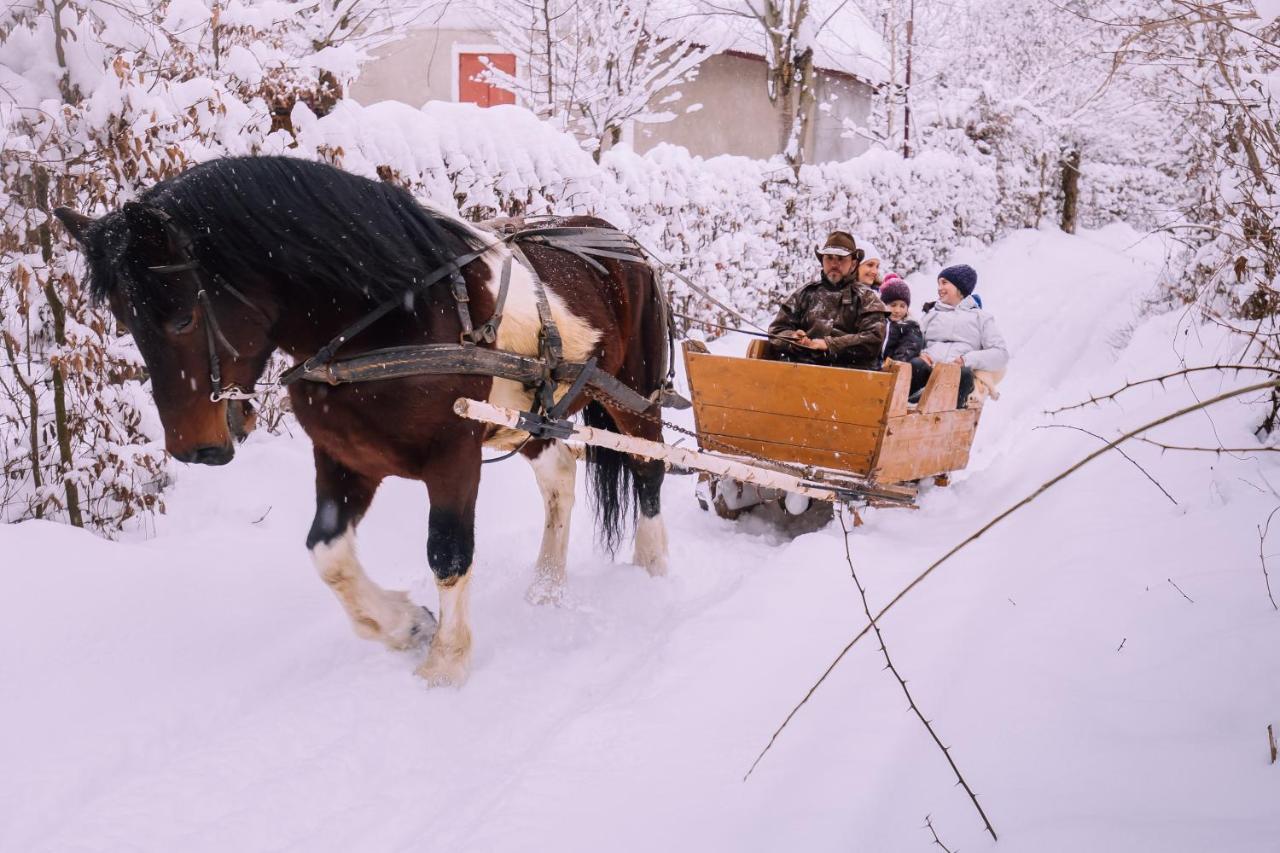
x=1163, y=446
x=1044, y=487
x=1162, y=379
x=1133, y=461
x=1179, y=589
x=1262, y=541
x=911, y=702
x=936, y=840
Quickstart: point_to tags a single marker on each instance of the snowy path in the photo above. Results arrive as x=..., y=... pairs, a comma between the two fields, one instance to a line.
x=201, y=690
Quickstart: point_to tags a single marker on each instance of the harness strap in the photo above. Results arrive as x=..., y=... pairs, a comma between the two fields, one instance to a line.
x=488, y=330
x=439, y=359
x=550, y=344
x=585, y=243
x=327, y=352
x=461, y=303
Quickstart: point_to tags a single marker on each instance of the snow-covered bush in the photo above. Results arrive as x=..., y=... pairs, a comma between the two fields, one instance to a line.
x=743, y=229
x=99, y=101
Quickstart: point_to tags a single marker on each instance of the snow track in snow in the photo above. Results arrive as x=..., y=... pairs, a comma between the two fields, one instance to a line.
x=201, y=689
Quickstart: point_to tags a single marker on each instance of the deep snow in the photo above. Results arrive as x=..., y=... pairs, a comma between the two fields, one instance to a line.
x=201, y=689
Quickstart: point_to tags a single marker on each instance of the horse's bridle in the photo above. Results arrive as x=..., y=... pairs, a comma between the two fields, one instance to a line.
x=212, y=330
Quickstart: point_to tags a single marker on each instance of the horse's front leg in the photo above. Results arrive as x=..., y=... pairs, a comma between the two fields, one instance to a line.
x=555, y=467
x=342, y=496
x=451, y=488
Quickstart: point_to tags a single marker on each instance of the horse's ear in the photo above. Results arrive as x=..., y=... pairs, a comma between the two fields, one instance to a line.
x=75, y=222
x=148, y=226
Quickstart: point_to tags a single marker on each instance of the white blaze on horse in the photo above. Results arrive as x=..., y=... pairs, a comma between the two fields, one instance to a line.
x=215, y=269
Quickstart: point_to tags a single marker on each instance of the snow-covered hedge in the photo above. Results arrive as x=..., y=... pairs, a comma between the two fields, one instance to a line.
x=744, y=229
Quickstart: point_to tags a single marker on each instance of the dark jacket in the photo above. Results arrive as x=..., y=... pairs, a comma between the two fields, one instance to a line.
x=905, y=340
x=849, y=316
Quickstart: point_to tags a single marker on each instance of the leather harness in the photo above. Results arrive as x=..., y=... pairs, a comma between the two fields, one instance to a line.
x=542, y=373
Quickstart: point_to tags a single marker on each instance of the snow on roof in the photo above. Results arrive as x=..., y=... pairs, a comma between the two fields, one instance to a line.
x=846, y=41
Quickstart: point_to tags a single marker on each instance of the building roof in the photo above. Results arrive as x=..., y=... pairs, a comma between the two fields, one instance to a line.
x=845, y=40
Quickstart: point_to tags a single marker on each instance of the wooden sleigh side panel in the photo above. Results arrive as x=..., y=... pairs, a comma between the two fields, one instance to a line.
x=855, y=421
x=804, y=414
x=930, y=439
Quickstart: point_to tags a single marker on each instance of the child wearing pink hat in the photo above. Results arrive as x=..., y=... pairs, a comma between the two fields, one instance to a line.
x=904, y=340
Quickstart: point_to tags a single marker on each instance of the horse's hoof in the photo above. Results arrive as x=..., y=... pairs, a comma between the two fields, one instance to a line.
x=424, y=628
x=545, y=590
x=406, y=625
x=656, y=569
x=443, y=671
x=654, y=564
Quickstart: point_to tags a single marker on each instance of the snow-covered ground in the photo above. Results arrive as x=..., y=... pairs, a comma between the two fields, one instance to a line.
x=201, y=690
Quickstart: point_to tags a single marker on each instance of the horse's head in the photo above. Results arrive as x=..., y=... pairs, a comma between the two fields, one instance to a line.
x=195, y=337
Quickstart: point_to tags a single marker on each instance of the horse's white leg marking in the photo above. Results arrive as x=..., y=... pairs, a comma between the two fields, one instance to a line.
x=377, y=614
x=651, y=544
x=449, y=658
x=555, y=469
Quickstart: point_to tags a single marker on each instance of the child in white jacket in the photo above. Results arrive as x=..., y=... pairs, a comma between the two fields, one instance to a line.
x=957, y=330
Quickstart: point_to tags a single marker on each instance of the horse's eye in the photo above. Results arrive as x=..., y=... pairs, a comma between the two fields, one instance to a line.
x=182, y=324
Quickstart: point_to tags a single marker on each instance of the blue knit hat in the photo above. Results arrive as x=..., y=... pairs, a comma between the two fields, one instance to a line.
x=963, y=276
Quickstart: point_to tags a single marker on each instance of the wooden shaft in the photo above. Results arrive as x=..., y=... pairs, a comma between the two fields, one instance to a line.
x=477, y=410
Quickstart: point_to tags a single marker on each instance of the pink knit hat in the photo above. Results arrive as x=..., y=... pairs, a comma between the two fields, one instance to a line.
x=894, y=289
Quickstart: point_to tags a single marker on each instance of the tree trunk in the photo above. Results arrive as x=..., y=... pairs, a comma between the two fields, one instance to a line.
x=906, y=91
x=798, y=104
x=59, y=313
x=1070, y=189
x=33, y=419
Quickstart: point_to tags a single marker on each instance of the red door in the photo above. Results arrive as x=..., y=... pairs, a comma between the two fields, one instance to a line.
x=471, y=90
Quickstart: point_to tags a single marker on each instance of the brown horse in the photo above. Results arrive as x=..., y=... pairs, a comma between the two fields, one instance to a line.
x=213, y=270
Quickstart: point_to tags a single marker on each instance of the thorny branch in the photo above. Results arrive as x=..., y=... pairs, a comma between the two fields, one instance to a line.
x=1044, y=487
x=936, y=840
x=1134, y=462
x=1162, y=379
x=1180, y=592
x=1160, y=444
x=888, y=661
x=1263, y=530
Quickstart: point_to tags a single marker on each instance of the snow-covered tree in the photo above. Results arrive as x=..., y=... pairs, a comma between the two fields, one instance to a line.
x=1033, y=86
x=1215, y=67
x=99, y=101
x=593, y=65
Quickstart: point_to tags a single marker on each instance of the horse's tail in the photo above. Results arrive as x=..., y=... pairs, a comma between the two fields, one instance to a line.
x=608, y=482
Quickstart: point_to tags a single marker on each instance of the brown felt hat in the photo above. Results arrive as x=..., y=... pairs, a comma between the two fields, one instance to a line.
x=840, y=243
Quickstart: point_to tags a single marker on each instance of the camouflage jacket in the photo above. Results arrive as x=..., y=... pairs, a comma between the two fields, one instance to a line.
x=848, y=315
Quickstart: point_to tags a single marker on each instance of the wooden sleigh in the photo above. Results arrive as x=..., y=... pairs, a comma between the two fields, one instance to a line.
x=788, y=441
x=854, y=429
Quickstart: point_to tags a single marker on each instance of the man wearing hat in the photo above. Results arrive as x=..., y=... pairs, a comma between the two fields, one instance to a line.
x=835, y=320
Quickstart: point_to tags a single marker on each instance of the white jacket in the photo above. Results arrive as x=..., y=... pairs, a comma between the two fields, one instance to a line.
x=964, y=330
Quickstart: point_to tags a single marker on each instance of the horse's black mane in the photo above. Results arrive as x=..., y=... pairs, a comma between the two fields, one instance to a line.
x=318, y=228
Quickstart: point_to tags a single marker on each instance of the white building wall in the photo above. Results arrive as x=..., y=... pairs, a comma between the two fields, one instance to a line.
x=735, y=117
x=420, y=67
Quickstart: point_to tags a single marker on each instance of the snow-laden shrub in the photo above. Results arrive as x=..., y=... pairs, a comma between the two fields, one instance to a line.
x=742, y=229
x=98, y=102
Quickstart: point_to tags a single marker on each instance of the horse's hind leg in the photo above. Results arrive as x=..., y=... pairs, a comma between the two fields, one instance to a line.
x=450, y=549
x=342, y=496
x=651, y=532
x=646, y=478
x=555, y=467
